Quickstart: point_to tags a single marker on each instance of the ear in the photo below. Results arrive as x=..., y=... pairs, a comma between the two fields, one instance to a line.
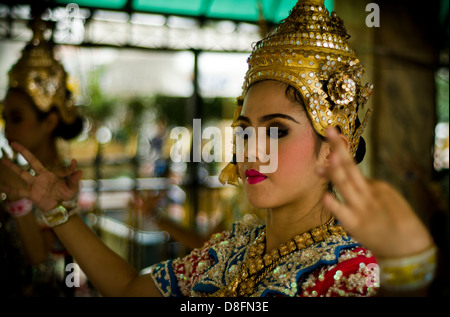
x=328, y=149
x=51, y=122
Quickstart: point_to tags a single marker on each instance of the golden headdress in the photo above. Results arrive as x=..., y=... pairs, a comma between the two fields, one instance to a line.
x=41, y=76
x=309, y=51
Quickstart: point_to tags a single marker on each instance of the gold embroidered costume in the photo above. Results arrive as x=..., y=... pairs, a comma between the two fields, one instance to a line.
x=332, y=265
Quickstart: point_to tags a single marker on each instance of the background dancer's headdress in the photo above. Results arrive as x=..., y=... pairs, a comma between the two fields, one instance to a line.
x=41, y=76
x=309, y=51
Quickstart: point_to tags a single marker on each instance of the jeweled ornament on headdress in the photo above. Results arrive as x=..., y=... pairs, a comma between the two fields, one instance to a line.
x=309, y=51
x=41, y=76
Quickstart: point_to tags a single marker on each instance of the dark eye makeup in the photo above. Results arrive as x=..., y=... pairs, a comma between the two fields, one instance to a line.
x=280, y=131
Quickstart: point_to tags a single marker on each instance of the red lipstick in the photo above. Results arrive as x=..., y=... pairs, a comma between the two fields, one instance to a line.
x=254, y=177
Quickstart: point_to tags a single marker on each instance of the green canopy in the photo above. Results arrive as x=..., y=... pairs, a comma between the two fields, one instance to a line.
x=234, y=10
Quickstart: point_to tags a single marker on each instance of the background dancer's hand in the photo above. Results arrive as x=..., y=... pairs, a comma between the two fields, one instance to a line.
x=44, y=188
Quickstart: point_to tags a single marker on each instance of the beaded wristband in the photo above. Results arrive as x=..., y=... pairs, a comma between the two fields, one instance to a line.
x=408, y=273
x=19, y=208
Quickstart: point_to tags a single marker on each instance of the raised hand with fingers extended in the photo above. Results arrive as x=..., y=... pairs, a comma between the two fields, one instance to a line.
x=46, y=189
x=372, y=211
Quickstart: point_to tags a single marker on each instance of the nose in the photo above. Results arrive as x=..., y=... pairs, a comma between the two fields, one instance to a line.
x=256, y=146
x=251, y=149
x=245, y=144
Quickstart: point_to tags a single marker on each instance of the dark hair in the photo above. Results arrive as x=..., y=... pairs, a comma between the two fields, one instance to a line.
x=69, y=131
x=63, y=130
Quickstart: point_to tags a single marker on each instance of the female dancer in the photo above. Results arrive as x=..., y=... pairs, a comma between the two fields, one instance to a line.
x=38, y=111
x=305, y=81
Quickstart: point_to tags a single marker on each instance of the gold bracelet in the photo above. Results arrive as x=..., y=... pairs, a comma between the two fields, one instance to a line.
x=60, y=214
x=408, y=273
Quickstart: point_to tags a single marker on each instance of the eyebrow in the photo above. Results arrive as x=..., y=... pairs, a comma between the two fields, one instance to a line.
x=269, y=117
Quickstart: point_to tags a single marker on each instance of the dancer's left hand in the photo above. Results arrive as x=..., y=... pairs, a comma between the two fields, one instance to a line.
x=373, y=212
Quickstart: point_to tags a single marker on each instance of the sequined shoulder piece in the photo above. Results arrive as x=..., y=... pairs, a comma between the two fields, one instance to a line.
x=333, y=268
x=356, y=274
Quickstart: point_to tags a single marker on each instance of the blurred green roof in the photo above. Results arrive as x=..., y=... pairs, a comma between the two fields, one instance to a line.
x=235, y=10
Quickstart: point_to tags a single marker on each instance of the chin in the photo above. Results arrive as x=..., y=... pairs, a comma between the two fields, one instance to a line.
x=261, y=201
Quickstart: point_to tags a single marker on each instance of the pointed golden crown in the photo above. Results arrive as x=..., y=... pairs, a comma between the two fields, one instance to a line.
x=41, y=76
x=309, y=51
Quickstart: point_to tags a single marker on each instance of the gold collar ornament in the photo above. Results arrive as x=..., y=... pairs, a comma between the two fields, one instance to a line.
x=309, y=51
x=41, y=76
x=257, y=265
